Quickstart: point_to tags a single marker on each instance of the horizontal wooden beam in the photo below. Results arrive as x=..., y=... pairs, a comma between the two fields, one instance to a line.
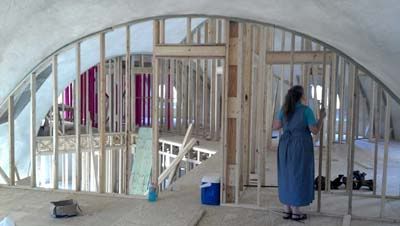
x=316, y=57
x=199, y=51
x=142, y=70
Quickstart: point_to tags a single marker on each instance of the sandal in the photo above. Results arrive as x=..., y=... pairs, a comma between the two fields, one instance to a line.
x=287, y=215
x=299, y=217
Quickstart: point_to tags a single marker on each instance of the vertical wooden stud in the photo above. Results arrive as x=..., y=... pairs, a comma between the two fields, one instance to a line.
x=155, y=109
x=292, y=46
x=246, y=97
x=321, y=138
x=128, y=119
x=33, y=130
x=386, y=154
x=102, y=117
x=377, y=122
x=341, y=98
x=11, y=140
x=55, y=123
x=260, y=116
x=77, y=118
x=353, y=80
x=331, y=130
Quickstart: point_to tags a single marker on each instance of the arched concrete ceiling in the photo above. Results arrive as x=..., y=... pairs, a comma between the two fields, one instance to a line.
x=366, y=30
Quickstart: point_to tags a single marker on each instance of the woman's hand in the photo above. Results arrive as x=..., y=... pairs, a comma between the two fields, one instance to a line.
x=276, y=125
x=322, y=113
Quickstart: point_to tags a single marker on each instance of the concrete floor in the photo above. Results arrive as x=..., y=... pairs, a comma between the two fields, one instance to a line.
x=32, y=208
x=179, y=206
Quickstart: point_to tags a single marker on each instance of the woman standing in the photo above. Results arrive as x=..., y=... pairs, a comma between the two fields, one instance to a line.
x=296, y=153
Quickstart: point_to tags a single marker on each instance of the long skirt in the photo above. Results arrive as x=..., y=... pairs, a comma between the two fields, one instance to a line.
x=296, y=170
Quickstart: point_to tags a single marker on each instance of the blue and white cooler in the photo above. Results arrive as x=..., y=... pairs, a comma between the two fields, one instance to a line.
x=210, y=190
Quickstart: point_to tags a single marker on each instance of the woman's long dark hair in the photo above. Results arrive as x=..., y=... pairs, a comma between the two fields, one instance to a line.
x=293, y=96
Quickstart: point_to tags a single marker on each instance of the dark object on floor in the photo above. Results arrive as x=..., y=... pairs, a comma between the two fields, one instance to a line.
x=65, y=208
x=368, y=183
x=358, y=181
x=322, y=183
x=335, y=184
x=361, y=182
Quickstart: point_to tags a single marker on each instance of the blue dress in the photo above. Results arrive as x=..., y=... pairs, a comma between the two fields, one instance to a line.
x=296, y=158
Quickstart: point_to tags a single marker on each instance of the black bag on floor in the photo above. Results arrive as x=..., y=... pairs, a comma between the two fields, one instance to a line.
x=65, y=208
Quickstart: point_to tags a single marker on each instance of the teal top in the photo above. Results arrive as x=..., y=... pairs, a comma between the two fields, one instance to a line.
x=309, y=117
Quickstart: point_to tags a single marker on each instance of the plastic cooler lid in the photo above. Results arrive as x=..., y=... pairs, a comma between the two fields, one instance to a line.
x=211, y=179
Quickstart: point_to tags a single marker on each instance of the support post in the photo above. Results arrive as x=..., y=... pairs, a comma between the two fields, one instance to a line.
x=11, y=140
x=231, y=107
x=341, y=99
x=269, y=95
x=155, y=104
x=331, y=130
x=128, y=118
x=292, y=46
x=55, y=123
x=77, y=118
x=260, y=113
x=246, y=97
x=386, y=154
x=102, y=117
x=377, y=134
x=33, y=130
x=321, y=135
x=239, y=117
x=353, y=84
x=372, y=111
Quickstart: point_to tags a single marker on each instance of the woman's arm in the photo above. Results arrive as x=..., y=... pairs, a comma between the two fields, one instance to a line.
x=277, y=125
x=317, y=127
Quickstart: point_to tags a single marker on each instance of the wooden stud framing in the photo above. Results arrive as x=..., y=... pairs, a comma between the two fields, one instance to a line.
x=260, y=116
x=269, y=98
x=195, y=51
x=33, y=130
x=189, y=37
x=102, y=117
x=321, y=137
x=224, y=143
x=254, y=101
x=198, y=99
x=353, y=84
x=11, y=140
x=341, y=98
x=372, y=110
x=185, y=81
x=232, y=108
x=246, y=97
x=377, y=122
x=128, y=115
x=206, y=92
x=331, y=130
x=178, y=80
x=292, y=45
x=299, y=57
x=239, y=110
x=213, y=80
x=155, y=109
x=388, y=110
x=55, y=123
x=77, y=118
x=162, y=98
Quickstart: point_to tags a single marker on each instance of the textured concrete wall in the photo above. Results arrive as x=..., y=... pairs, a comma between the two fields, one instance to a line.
x=366, y=30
